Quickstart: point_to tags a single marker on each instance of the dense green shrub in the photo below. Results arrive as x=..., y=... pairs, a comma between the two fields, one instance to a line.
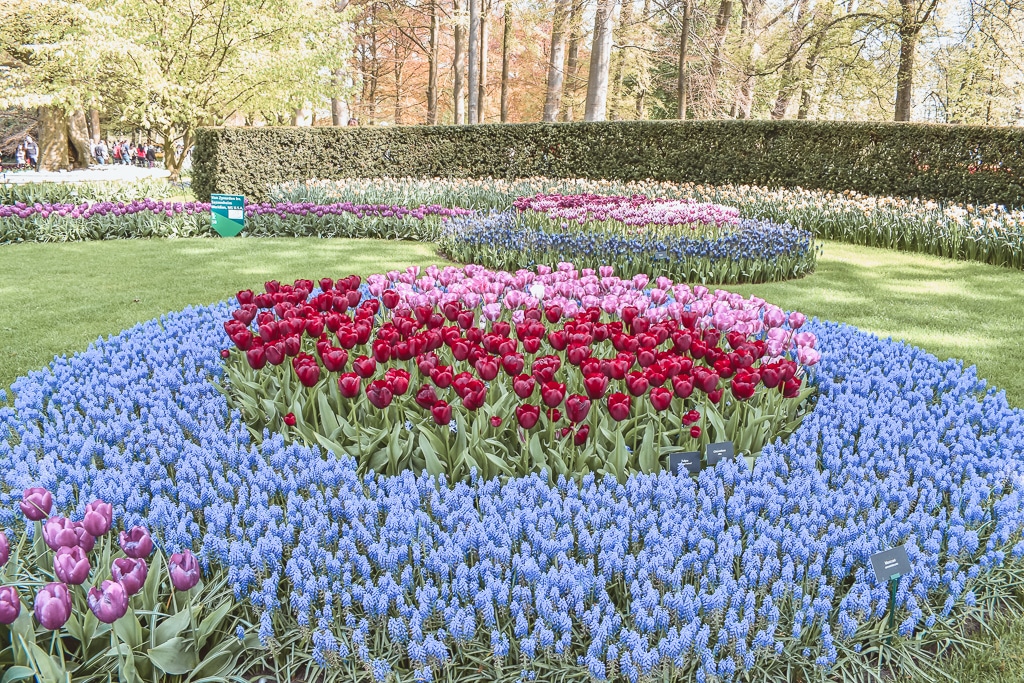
x=964, y=163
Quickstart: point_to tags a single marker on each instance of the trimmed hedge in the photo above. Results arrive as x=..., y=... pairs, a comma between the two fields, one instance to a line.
x=964, y=163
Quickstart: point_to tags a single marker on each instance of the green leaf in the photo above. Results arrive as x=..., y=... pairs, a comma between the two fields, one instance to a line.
x=434, y=465
x=171, y=627
x=151, y=589
x=212, y=622
x=649, y=461
x=174, y=657
x=47, y=668
x=129, y=630
x=17, y=673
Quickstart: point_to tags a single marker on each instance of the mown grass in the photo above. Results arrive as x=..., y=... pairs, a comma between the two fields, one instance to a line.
x=60, y=297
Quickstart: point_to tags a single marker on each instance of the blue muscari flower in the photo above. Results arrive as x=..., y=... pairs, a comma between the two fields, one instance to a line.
x=794, y=534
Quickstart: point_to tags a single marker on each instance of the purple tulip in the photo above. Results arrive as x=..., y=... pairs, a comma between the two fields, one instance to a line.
x=136, y=542
x=184, y=570
x=59, y=532
x=36, y=503
x=53, y=606
x=109, y=602
x=71, y=566
x=98, y=517
x=86, y=541
x=130, y=573
x=5, y=549
x=10, y=605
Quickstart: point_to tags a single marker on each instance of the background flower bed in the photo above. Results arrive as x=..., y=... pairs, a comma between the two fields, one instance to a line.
x=755, y=251
x=988, y=234
x=149, y=218
x=77, y=193
x=896, y=437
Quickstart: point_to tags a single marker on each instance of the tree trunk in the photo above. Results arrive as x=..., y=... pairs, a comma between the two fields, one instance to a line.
x=78, y=140
x=506, y=54
x=616, y=80
x=556, y=62
x=474, y=61
x=571, y=64
x=600, y=61
x=459, y=63
x=684, y=46
x=53, y=139
x=398, y=92
x=721, y=26
x=339, y=105
x=94, y=126
x=484, y=47
x=905, y=75
x=435, y=29
x=808, y=83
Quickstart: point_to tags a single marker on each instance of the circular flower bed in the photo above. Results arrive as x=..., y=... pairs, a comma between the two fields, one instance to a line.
x=761, y=569
x=733, y=251
x=562, y=371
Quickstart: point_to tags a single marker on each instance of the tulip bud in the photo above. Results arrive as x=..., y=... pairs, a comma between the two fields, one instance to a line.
x=98, y=517
x=53, y=606
x=10, y=605
x=36, y=503
x=71, y=566
x=108, y=602
x=136, y=542
x=130, y=573
x=184, y=570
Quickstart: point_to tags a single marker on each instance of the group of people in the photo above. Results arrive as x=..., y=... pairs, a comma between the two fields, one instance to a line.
x=27, y=154
x=126, y=153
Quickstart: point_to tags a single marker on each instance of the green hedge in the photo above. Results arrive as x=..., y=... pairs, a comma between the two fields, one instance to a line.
x=964, y=163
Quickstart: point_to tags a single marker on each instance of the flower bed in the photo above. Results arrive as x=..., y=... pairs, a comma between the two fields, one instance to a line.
x=561, y=371
x=989, y=234
x=761, y=570
x=149, y=218
x=754, y=251
x=636, y=211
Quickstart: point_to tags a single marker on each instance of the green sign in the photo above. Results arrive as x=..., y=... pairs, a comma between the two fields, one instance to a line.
x=228, y=213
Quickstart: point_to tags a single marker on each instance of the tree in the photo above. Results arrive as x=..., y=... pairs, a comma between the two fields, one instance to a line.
x=200, y=62
x=912, y=18
x=556, y=62
x=600, y=62
x=56, y=59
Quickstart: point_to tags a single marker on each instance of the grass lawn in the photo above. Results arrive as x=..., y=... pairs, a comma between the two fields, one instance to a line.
x=61, y=297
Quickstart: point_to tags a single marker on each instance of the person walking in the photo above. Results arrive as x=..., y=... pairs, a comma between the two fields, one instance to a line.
x=31, y=151
x=150, y=156
x=101, y=153
x=126, y=153
x=140, y=155
x=19, y=156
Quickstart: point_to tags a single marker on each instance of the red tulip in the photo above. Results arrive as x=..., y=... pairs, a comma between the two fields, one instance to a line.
x=451, y=311
x=695, y=432
x=475, y=395
x=334, y=358
x=691, y=417
x=618, y=406
x=705, y=380
x=595, y=386
x=578, y=353
x=465, y=319
x=348, y=338
x=381, y=351
x=716, y=395
x=426, y=397
x=512, y=364
x=461, y=381
x=552, y=393
x=364, y=367
x=557, y=339
x=441, y=412
x=379, y=393
x=495, y=421
x=460, y=349
x=645, y=357
x=723, y=368
x=744, y=384
x=553, y=313
x=523, y=386
x=307, y=369
x=637, y=383
x=554, y=414
x=487, y=367
x=442, y=376
x=577, y=407
x=617, y=368
x=545, y=367
x=682, y=385
x=580, y=437
x=349, y=385
x=531, y=344
x=390, y=298
x=527, y=415
x=398, y=378
x=225, y=354
x=791, y=387
x=289, y=419
x=661, y=398
x=275, y=352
